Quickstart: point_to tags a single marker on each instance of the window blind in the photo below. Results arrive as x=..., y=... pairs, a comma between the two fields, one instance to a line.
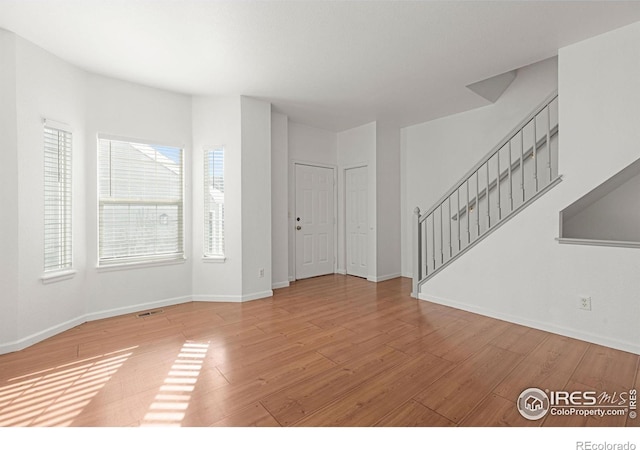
x=214, y=202
x=140, y=202
x=57, y=199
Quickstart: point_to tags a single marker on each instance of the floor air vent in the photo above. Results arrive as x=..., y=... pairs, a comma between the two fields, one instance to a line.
x=150, y=313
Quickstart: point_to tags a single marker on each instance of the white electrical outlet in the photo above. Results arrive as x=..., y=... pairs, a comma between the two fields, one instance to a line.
x=584, y=303
x=261, y=273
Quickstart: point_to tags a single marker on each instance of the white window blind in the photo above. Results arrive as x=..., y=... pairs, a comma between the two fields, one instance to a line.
x=214, y=202
x=57, y=199
x=140, y=202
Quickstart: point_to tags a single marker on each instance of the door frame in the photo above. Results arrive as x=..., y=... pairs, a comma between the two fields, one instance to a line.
x=292, y=222
x=343, y=175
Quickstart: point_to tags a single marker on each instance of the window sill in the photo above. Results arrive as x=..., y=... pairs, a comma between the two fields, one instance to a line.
x=214, y=259
x=61, y=275
x=140, y=264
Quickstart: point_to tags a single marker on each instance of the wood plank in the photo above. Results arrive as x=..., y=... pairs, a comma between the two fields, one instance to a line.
x=292, y=404
x=455, y=395
x=128, y=410
x=606, y=369
x=607, y=372
x=254, y=367
x=549, y=366
x=319, y=337
x=334, y=350
x=427, y=316
x=427, y=340
x=519, y=339
x=251, y=416
x=495, y=411
x=372, y=400
x=414, y=414
x=344, y=351
x=468, y=341
x=208, y=406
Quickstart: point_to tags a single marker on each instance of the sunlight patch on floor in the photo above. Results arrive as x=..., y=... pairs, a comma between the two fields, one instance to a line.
x=171, y=403
x=55, y=396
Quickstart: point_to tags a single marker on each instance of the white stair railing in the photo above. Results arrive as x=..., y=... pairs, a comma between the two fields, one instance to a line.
x=521, y=168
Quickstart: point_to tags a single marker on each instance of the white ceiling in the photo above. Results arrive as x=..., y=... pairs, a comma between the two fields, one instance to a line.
x=331, y=64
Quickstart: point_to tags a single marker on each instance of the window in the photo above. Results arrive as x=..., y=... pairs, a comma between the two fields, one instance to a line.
x=140, y=202
x=57, y=199
x=214, y=203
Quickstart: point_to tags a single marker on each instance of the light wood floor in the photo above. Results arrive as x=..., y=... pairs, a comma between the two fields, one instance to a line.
x=329, y=351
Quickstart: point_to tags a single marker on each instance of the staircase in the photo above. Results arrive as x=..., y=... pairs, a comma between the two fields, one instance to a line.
x=517, y=171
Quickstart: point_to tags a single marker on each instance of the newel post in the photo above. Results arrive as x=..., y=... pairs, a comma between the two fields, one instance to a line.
x=417, y=253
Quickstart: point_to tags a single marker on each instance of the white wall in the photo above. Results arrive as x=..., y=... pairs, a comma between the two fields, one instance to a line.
x=133, y=111
x=256, y=198
x=279, y=200
x=309, y=145
x=388, y=206
x=438, y=153
x=357, y=147
x=34, y=85
x=521, y=273
x=9, y=255
x=216, y=122
x=243, y=126
x=47, y=87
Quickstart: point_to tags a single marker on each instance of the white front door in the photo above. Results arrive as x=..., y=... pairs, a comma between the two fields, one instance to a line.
x=314, y=221
x=357, y=221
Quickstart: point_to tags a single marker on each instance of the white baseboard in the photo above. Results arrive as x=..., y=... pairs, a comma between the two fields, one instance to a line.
x=89, y=317
x=27, y=341
x=40, y=336
x=217, y=298
x=548, y=327
x=280, y=285
x=232, y=298
x=135, y=308
x=341, y=271
x=257, y=295
x=292, y=278
x=384, y=277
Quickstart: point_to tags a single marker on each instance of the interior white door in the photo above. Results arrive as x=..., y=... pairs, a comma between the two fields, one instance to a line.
x=314, y=221
x=357, y=224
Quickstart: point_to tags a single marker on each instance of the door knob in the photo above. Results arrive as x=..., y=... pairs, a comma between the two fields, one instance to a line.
x=298, y=227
